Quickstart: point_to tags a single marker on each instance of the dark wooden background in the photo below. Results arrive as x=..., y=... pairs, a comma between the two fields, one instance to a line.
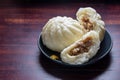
x=20, y=25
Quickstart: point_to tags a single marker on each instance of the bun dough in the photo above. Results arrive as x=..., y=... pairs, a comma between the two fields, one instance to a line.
x=82, y=50
x=91, y=20
x=60, y=32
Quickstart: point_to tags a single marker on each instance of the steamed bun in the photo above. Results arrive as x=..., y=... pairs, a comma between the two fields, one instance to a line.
x=60, y=32
x=82, y=50
x=91, y=20
x=77, y=41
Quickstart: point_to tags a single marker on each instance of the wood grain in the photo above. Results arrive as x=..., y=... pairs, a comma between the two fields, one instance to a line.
x=20, y=58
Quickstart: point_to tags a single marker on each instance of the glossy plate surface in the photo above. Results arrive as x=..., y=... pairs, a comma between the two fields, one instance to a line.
x=105, y=48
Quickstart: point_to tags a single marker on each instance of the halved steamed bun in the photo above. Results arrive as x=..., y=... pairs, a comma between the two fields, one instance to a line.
x=91, y=20
x=60, y=32
x=82, y=50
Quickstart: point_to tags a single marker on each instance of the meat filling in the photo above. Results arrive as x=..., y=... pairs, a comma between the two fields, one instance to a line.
x=81, y=47
x=87, y=24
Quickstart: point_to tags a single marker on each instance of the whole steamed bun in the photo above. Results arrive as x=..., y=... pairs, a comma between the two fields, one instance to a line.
x=91, y=20
x=60, y=32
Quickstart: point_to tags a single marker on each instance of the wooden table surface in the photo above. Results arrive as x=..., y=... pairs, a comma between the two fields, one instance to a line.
x=20, y=58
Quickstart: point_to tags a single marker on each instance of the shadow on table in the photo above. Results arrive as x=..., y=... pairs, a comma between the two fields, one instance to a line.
x=69, y=73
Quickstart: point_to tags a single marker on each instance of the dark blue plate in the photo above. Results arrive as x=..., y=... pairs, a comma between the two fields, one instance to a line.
x=105, y=48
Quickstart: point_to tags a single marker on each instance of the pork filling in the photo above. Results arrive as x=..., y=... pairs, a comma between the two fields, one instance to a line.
x=87, y=24
x=81, y=47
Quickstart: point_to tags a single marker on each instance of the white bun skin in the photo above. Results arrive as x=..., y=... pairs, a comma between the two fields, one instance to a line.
x=89, y=16
x=60, y=32
x=87, y=11
x=85, y=56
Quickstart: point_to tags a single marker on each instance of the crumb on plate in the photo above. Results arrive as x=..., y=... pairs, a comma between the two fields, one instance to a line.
x=54, y=57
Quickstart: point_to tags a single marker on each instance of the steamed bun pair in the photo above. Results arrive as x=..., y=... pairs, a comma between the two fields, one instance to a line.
x=76, y=40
